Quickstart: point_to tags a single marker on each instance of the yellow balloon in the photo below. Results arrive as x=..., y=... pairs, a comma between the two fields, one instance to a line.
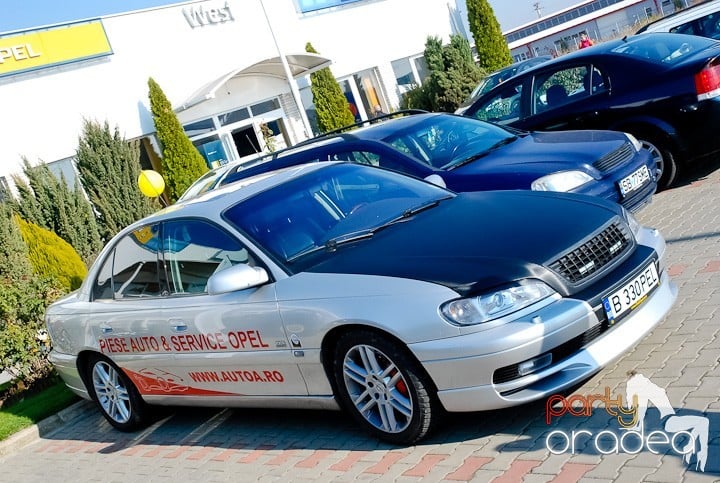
x=151, y=183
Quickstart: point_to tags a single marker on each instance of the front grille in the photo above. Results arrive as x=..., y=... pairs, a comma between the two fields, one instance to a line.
x=559, y=353
x=616, y=158
x=594, y=254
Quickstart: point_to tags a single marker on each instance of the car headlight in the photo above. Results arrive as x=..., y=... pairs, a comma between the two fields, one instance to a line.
x=562, y=181
x=633, y=140
x=632, y=222
x=493, y=305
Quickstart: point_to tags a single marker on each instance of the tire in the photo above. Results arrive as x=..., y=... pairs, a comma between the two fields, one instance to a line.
x=384, y=388
x=115, y=395
x=664, y=161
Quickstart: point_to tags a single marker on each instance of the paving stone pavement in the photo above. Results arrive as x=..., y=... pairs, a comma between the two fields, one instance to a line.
x=214, y=445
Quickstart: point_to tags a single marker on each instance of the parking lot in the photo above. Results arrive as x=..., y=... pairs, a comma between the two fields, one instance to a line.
x=681, y=356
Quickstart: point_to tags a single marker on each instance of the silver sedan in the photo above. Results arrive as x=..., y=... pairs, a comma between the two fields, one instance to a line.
x=337, y=285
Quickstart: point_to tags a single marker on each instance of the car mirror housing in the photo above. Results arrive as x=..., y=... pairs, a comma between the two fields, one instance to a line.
x=237, y=277
x=437, y=180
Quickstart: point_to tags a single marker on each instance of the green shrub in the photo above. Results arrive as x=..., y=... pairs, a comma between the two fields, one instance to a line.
x=23, y=341
x=51, y=256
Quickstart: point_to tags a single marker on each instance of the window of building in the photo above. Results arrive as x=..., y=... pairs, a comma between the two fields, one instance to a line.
x=265, y=106
x=409, y=72
x=199, y=128
x=234, y=116
x=64, y=169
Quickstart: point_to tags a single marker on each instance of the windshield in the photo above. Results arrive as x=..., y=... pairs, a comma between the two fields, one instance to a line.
x=329, y=206
x=444, y=141
x=203, y=184
x=663, y=48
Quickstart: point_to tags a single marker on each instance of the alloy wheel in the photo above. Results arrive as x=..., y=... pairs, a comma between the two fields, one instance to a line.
x=377, y=389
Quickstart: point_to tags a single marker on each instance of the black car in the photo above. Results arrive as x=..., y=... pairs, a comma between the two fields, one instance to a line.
x=663, y=88
x=468, y=155
x=498, y=77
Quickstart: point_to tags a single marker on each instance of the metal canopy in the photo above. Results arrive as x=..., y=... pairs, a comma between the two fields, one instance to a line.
x=300, y=65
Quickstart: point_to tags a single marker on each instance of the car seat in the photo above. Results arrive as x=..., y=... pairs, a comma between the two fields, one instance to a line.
x=556, y=95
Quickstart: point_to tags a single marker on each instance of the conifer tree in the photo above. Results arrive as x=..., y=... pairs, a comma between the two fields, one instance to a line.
x=182, y=163
x=48, y=202
x=453, y=76
x=109, y=167
x=331, y=105
x=492, y=49
x=14, y=263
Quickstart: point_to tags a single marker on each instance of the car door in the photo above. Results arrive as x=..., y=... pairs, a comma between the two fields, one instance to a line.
x=567, y=97
x=223, y=344
x=126, y=302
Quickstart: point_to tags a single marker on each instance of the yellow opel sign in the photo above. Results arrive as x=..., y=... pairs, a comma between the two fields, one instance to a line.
x=57, y=45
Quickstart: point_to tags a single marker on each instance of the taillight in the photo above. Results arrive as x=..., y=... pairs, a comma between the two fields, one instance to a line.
x=707, y=82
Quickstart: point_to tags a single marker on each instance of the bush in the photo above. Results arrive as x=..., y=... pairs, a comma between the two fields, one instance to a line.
x=24, y=344
x=52, y=257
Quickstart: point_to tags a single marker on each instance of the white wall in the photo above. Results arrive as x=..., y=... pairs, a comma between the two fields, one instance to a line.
x=43, y=111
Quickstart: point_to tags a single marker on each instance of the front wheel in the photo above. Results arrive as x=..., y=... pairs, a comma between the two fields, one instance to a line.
x=665, y=165
x=115, y=395
x=384, y=388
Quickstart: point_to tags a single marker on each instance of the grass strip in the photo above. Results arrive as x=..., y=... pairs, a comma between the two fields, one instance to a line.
x=31, y=409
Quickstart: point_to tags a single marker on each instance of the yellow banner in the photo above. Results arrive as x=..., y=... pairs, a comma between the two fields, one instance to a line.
x=58, y=45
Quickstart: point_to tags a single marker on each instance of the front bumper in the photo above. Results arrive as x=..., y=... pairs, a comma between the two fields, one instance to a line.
x=572, y=318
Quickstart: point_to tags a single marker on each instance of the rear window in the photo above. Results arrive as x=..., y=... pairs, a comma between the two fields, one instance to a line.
x=663, y=48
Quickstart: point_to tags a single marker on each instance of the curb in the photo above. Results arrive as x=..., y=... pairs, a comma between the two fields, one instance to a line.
x=43, y=428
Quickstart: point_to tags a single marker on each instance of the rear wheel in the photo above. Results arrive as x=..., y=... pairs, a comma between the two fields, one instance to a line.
x=115, y=395
x=384, y=388
x=665, y=165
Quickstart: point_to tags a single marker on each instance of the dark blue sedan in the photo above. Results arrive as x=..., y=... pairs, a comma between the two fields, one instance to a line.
x=466, y=154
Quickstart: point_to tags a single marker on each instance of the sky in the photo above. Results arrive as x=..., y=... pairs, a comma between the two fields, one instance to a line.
x=34, y=13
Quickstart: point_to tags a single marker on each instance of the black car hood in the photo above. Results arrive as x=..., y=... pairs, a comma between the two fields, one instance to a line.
x=474, y=241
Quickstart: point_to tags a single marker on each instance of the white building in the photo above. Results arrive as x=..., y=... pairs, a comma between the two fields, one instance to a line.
x=218, y=62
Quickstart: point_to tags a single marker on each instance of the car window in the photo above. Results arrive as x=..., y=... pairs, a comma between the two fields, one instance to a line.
x=193, y=250
x=558, y=88
x=131, y=269
x=710, y=26
x=503, y=107
x=443, y=141
x=665, y=49
x=688, y=28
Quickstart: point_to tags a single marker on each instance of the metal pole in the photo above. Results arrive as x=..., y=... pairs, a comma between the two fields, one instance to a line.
x=288, y=73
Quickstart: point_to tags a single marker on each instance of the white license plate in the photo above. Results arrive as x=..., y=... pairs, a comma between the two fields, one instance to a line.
x=634, y=181
x=631, y=294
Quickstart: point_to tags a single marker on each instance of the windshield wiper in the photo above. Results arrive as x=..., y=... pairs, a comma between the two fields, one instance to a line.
x=479, y=155
x=333, y=243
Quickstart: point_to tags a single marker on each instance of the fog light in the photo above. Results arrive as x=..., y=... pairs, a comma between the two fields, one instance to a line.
x=534, y=365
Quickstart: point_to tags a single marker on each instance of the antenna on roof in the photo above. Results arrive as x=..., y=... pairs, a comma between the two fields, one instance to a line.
x=538, y=9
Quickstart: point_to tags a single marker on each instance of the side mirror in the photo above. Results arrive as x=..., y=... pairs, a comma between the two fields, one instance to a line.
x=436, y=179
x=235, y=278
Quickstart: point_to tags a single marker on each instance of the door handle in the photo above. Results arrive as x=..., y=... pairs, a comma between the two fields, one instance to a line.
x=178, y=325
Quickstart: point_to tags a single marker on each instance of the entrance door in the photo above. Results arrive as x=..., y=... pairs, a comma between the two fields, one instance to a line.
x=246, y=141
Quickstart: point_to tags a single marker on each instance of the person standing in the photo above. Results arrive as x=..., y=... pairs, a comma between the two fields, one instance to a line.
x=585, y=41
